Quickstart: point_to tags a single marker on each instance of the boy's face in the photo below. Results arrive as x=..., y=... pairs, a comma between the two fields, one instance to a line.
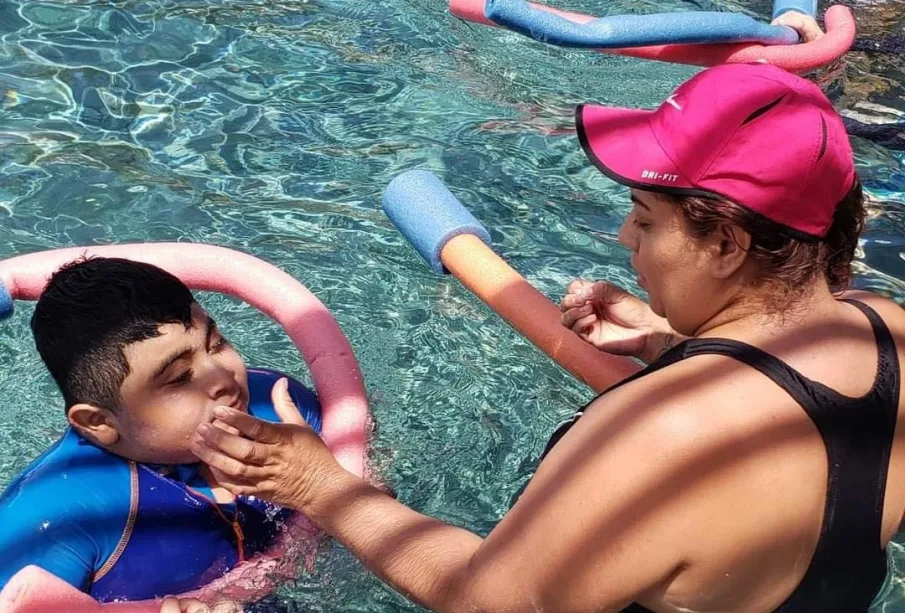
x=175, y=381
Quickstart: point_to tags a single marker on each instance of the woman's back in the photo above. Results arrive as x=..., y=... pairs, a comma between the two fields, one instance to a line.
x=754, y=476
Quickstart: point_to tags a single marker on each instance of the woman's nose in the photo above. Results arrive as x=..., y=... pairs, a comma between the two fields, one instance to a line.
x=628, y=235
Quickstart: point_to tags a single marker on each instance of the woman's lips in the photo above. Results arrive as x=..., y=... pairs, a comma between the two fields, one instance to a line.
x=639, y=278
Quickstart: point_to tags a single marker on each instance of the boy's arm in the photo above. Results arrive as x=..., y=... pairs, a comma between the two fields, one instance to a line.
x=56, y=544
x=41, y=531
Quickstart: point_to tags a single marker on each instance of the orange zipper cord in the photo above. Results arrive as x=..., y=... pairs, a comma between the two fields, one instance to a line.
x=234, y=524
x=240, y=536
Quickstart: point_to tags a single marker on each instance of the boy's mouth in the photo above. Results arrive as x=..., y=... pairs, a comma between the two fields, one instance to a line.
x=240, y=403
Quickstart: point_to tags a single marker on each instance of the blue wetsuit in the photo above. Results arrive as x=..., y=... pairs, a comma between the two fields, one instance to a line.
x=125, y=531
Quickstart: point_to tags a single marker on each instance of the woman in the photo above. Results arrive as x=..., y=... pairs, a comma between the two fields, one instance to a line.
x=753, y=466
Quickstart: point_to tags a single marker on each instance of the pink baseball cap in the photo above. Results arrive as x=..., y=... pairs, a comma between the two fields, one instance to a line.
x=754, y=134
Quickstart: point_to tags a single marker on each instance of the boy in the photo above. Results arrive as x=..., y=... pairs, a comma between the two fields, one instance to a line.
x=119, y=507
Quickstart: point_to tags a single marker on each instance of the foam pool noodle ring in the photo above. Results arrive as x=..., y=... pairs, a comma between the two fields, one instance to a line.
x=451, y=240
x=695, y=38
x=313, y=330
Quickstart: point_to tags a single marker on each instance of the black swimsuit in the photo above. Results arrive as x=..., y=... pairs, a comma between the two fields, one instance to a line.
x=848, y=567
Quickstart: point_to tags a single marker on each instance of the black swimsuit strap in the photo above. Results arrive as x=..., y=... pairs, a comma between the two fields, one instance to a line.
x=667, y=359
x=848, y=566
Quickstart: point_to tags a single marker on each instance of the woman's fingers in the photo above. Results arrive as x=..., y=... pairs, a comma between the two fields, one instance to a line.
x=230, y=467
x=581, y=325
x=597, y=294
x=576, y=294
x=252, y=427
x=571, y=316
x=242, y=449
x=225, y=426
x=571, y=301
x=606, y=293
x=223, y=463
x=577, y=285
x=285, y=407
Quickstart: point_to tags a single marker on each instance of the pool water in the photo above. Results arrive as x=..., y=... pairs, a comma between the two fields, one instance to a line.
x=273, y=126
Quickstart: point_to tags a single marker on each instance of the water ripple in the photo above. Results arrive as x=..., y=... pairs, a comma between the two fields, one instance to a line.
x=273, y=126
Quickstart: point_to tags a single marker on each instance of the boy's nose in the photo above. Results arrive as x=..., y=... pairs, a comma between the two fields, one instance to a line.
x=224, y=388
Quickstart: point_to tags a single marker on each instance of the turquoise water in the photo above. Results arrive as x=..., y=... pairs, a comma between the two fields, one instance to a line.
x=273, y=127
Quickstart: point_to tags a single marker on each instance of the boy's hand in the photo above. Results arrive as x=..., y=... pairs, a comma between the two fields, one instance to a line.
x=805, y=25
x=171, y=604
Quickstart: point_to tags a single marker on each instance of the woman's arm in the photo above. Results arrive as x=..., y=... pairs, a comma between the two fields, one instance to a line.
x=585, y=535
x=424, y=559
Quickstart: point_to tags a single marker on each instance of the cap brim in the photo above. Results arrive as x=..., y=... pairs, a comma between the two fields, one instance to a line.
x=622, y=145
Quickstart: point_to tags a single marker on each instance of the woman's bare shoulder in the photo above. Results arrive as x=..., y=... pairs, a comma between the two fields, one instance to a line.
x=890, y=311
x=701, y=396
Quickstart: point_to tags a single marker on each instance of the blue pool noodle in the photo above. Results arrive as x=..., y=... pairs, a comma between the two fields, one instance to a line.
x=428, y=215
x=640, y=30
x=6, y=302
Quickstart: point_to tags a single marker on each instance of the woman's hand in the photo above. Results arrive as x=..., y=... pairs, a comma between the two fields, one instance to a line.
x=172, y=604
x=284, y=463
x=805, y=25
x=614, y=321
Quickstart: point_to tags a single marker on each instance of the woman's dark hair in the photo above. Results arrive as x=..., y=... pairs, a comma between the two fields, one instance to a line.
x=789, y=261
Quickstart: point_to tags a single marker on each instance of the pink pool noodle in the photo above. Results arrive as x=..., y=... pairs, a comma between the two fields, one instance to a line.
x=492, y=280
x=337, y=380
x=804, y=57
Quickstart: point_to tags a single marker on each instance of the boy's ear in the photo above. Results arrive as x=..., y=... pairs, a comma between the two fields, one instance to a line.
x=94, y=423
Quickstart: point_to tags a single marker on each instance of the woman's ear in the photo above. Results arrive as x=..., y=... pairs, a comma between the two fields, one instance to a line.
x=728, y=250
x=94, y=423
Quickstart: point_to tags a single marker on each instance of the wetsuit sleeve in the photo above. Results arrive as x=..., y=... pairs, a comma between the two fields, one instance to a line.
x=33, y=532
x=65, y=513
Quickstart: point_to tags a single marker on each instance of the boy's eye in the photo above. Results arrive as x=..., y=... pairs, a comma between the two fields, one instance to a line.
x=219, y=344
x=182, y=379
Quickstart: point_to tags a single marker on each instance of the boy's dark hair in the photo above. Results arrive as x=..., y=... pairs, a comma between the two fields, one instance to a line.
x=90, y=311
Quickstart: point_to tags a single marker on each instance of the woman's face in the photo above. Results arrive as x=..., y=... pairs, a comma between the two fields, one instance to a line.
x=672, y=266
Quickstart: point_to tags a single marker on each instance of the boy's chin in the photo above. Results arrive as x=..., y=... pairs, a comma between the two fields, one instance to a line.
x=179, y=458
x=144, y=453
x=171, y=457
